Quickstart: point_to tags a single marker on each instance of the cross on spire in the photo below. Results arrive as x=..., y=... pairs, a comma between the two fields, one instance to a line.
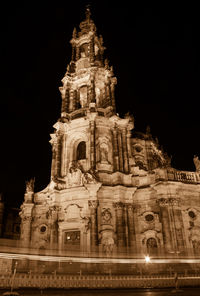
x=87, y=12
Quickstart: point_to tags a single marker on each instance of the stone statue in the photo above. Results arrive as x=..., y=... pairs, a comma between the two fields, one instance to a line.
x=30, y=185
x=75, y=176
x=104, y=153
x=89, y=177
x=196, y=161
x=108, y=244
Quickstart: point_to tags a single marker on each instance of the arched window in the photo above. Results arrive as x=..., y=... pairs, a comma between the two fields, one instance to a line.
x=152, y=246
x=81, y=151
x=84, y=50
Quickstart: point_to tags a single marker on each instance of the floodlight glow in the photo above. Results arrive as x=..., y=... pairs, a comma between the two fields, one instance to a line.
x=147, y=259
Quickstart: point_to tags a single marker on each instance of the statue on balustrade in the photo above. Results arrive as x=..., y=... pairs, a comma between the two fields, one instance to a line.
x=197, y=163
x=30, y=185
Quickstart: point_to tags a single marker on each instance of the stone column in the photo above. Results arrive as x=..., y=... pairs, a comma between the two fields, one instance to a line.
x=65, y=102
x=53, y=162
x=77, y=53
x=125, y=151
x=58, y=155
x=71, y=100
x=121, y=161
x=120, y=229
x=91, y=46
x=74, y=99
x=92, y=145
x=130, y=158
x=63, y=156
x=165, y=220
x=131, y=228
x=126, y=226
x=92, y=94
x=107, y=91
x=93, y=204
x=112, y=88
x=115, y=150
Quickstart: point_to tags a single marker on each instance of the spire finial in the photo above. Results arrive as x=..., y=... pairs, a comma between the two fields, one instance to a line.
x=87, y=12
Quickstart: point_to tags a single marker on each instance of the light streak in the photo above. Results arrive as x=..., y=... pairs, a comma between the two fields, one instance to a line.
x=94, y=260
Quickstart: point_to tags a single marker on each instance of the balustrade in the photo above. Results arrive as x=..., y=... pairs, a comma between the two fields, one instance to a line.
x=183, y=176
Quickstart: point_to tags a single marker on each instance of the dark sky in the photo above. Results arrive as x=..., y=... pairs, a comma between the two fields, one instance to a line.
x=155, y=54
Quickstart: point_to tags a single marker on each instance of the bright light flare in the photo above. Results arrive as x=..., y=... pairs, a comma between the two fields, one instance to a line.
x=147, y=259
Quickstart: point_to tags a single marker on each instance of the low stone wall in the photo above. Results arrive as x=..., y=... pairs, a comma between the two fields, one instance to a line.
x=89, y=281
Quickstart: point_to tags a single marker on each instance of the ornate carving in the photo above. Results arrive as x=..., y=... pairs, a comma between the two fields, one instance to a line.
x=93, y=204
x=89, y=177
x=87, y=221
x=168, y=201
x=30, y=185
x=118, y=205
x=129, y=206
x=106, y=216
x=25, y=218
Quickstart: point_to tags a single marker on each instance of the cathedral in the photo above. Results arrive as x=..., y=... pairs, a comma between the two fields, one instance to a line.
x=112, y=190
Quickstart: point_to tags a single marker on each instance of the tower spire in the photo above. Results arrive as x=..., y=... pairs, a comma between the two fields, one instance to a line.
x=89, y=79
x=87, y=12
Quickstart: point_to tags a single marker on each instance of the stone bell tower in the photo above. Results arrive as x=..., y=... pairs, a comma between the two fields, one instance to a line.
x=91, y=152
x=89, y=131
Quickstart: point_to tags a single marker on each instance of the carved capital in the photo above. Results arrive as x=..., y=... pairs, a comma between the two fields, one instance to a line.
x=93, y=204
x=162, y=202
x=118, y=205
x=174, y=201
x=26, y=218
x=168, y=201
x=129, y=206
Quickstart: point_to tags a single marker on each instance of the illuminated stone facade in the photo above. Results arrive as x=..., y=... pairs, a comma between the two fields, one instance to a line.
x=111, y=189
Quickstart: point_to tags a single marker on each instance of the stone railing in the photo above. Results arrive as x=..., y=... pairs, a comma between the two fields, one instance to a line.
x=183, y=176
x=94, y=281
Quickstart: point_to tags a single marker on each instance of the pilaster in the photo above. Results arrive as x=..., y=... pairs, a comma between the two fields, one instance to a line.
x=131, y=227
x=125, y=151
x=93, y=204
x=120, y=224
x=115, y=150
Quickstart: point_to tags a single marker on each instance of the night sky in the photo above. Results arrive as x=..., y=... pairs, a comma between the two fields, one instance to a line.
x=154, y=51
